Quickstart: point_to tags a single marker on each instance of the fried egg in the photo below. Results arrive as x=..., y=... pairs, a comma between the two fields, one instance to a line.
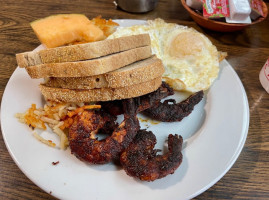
x=190, y=59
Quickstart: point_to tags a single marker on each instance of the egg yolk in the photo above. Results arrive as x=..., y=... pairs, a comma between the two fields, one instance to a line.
x=185, y=44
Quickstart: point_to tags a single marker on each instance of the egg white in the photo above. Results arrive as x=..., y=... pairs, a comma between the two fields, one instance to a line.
x=190, y=59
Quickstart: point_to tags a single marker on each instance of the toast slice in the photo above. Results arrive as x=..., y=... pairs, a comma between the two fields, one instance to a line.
x=99, y=94
x=89, y=67
x=82, y=51
x=132, y=74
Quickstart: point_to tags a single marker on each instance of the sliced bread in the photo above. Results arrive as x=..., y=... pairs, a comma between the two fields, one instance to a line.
x=132, y=74
x=100, y=94
x=89, y=67
x=82, y=51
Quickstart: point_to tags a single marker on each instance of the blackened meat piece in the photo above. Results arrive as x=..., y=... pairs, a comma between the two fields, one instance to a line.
x=142, y=103
x=85, y=146
x=170, y=111
x=139, y=159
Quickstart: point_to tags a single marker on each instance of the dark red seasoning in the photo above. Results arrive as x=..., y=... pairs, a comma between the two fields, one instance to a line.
x=140, y=159
x=55, y=163
x=170, y=111
x=33, y=128
x=142, y=103
x=91, y=122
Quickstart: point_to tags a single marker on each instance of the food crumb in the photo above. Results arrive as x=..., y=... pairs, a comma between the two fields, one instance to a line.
x=33, y=128
x=50, y=192
x=55, y=163
x=153, y=122
x=142, y=120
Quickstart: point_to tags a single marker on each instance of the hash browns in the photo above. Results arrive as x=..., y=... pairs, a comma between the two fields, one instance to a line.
x=57, y=116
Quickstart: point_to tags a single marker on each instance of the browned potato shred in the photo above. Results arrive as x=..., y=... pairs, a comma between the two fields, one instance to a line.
x=58, y=116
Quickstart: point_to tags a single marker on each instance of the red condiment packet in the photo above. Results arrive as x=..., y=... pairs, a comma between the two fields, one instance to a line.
x=216, y=8
x=256, y=9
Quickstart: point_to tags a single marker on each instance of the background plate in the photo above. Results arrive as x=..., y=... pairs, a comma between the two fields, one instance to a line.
x=214, y=135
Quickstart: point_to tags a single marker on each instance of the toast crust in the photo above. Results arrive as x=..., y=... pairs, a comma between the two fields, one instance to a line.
x=100, y=94
x=82, y=51
x=132, y=74
x=89, y=67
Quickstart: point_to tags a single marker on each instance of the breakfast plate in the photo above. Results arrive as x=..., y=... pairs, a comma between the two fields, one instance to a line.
x=214, y=135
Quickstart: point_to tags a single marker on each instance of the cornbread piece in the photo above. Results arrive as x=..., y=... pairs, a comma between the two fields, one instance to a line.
x=82, y=51
x=132, y=74
x=100, y=94
x=89, y=67
x=58, y=30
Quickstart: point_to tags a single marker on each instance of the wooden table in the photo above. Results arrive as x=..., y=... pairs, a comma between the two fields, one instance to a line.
x=247, y=49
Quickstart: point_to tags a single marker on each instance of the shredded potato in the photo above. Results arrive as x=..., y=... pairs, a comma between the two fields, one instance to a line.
x=78, y=110
x=41, y=139
x=57, y=116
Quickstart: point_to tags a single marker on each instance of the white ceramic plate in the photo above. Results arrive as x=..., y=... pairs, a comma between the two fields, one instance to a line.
x=214, y=135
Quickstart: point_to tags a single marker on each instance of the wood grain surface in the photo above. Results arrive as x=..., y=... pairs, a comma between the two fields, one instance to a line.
x=248, y=50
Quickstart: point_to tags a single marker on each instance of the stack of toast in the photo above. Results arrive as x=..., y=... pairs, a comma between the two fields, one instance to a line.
x=99, y=71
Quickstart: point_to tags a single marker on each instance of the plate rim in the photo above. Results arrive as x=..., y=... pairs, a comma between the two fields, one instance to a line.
x=239, y=148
